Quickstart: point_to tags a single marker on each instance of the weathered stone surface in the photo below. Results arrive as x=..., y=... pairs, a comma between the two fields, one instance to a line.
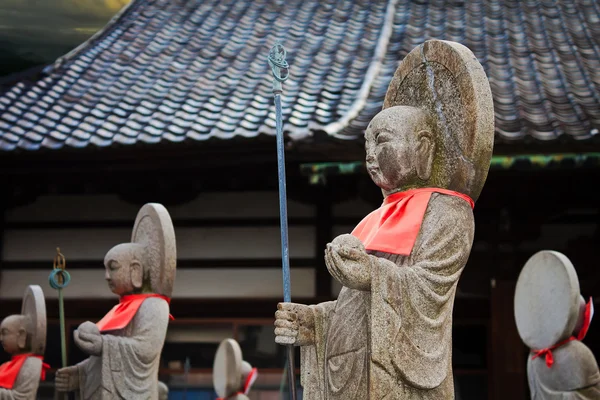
x=232, y=376
x=389, y=333
x=550, y=313
x=26, y=334
x=461, y=108
x=124, y=362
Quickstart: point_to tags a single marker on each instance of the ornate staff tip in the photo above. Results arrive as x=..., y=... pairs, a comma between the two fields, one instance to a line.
x=59, y=277
x=279, y=66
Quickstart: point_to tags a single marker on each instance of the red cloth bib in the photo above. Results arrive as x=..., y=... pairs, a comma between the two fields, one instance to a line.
x=250, y=379
x=9, y=371
x=394, y=227
x=547, y=352
x=122, y=314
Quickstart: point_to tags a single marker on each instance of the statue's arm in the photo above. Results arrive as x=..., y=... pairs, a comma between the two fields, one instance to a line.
x=436, y=260
x=148, y=331
x=441, y=251
x=420, y=288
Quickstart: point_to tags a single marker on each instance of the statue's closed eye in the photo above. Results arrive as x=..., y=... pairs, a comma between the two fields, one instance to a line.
x=114, y=265
x=383, y=137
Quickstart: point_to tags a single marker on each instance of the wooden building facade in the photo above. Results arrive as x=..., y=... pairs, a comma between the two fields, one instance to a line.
x=172, y=103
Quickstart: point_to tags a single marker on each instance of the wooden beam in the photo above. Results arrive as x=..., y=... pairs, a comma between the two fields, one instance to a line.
x=177, y=223
x=2, y=228
x=324, y=233
x=193, y=308
x=188, y=263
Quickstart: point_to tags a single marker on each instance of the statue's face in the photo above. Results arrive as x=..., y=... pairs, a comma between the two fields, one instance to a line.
x=392, y=148
x=13, y=334
x=120, y=263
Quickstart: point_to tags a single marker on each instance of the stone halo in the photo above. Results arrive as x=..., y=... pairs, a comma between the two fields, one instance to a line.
x=34, y=309
x=154, y=230
x=227, y=368
x=446, y=79
x=547, y=300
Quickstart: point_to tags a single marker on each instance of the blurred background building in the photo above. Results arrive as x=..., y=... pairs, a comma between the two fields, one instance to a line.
x=171, y=102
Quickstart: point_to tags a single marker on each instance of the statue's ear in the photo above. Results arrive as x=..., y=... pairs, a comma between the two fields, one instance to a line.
x=137, y=274
x=425, y=153
x=22, y=338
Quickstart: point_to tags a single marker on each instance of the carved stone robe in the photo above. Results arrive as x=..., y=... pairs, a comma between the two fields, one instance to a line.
x=27, y=382
x=128, y=366
x=573, y=376
x=395, y=341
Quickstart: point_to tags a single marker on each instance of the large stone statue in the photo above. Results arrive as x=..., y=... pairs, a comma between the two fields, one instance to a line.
x=389, y=333
x=24, y=337
x=552, y=318
x=125, y=346
x=232, y=377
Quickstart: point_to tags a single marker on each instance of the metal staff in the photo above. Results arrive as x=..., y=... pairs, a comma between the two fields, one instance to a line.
x=59, y=279
x=280, y=70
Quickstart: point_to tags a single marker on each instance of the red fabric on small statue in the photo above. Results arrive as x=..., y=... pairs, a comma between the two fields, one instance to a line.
x=122, y=314
x=394, y=227
x=9, y=371
x=547, y=352
x=250, y=379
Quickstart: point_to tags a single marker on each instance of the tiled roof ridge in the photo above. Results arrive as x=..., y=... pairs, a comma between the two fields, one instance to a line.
x=63, y=60
x=336, y=128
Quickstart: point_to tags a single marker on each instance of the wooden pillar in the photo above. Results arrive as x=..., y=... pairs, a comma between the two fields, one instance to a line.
x=508, y=370
x=2, y=219
x=324, y=232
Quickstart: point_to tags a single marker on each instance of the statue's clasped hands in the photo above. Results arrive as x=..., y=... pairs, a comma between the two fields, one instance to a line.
x=88, y=338
x=348, y=262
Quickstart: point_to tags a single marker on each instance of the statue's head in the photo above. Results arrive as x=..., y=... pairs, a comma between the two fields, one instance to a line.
x=148, y=262
x=14, y=332
x=127, y=269
x=401, y=149
x=437, y=123
x=163, y=391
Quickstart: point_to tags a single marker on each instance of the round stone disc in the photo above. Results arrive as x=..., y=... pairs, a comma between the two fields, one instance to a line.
x=34, y=308
x=154, y=229
x=547, y=300
x=227, y=368
x=446, y=79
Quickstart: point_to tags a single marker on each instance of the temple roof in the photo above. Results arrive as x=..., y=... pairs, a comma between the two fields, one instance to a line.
x=177, y=70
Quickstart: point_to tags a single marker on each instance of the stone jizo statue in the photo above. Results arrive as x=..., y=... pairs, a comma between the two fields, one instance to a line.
x=552, y=318
x=389, y=333
x=232, y=376
x=125, y=346
x=24, y=337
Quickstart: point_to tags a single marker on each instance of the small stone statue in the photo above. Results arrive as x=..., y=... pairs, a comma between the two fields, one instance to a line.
x=24, y=337
x=163, y=391
x=125, y=346
x=232, y=377
x=389, y=333
x=552, y=318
